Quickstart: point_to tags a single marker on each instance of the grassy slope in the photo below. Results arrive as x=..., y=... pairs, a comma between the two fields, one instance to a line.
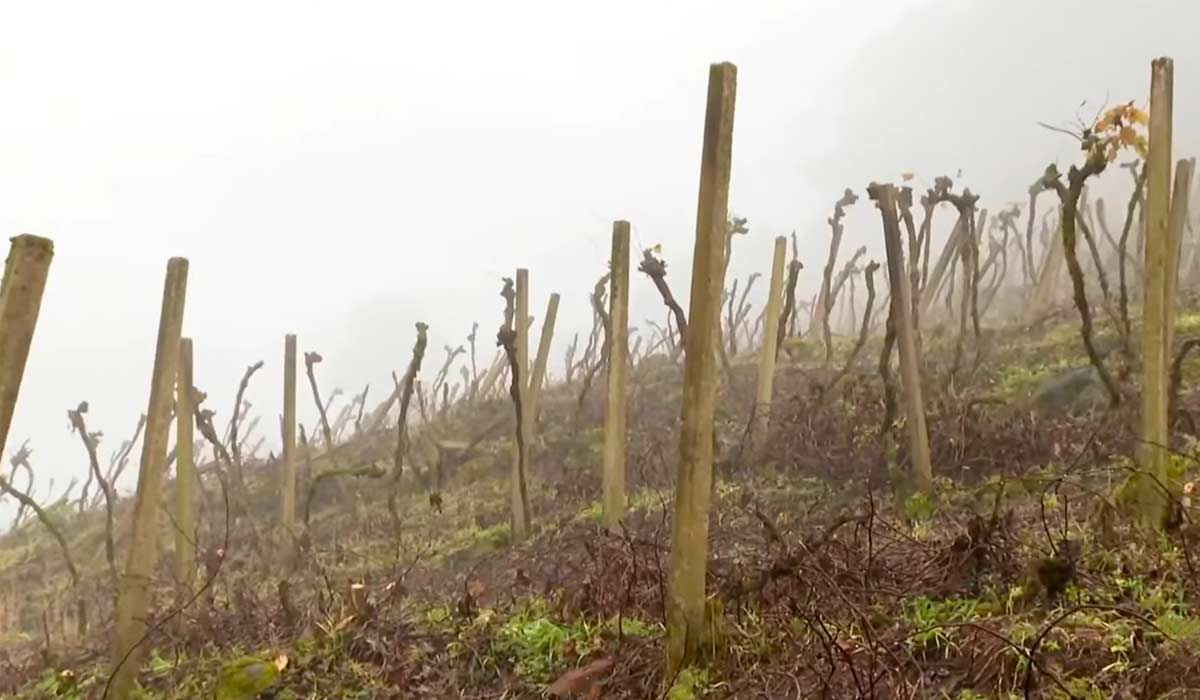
x=816, y=588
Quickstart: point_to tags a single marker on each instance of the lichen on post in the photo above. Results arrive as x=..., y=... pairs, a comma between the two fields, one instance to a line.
x=693, y=486
x=1156, y=318
x=25, y=274
x=770, y=348
x=130, y=626
x=185, y=469
x=618, y=359
x=901, y=300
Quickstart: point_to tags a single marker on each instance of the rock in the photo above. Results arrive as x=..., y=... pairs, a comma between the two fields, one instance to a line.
x=1072, y=393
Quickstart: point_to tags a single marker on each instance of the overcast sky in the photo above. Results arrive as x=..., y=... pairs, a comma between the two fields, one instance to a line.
x=343, y=170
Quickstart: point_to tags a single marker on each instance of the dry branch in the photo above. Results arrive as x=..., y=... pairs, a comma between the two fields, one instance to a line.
x=78, y=425
x=406, y=392
x=1069, y=196
x=864, y=330
x=239, y=477
x=31, y=504
x=311, y=359
x=825, y=300
x=599, y=294
x=787, y=319
x=656, y=270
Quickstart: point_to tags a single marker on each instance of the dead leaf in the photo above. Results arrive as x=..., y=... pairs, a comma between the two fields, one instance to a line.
x=580, y=680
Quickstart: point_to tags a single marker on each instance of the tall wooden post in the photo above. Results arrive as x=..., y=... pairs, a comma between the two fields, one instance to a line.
x=768, y=352
x=618, y=360
x=519, y=488
x=25, y=274
x=288, y=495
x=538, y=378
x=128, y=647
x=1156, y=318
x=693, y=486
x=185, y=469
x=910, y=373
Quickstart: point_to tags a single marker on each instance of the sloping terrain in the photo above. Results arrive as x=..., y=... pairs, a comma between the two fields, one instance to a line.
x=1023, y=575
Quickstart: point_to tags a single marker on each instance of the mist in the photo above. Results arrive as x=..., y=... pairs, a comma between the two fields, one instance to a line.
x=344, y=174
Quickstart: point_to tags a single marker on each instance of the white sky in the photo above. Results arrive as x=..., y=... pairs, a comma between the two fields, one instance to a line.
x=342, y=170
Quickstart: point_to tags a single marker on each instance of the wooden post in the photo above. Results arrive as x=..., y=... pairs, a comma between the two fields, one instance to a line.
x=910, y=373
x=128, y=646
x=1047, y=285
x=1155, y=314
x=768, y=352
x=937, y=275
x=288, y=495
x=25, y=274
x=538, y=378
x=488, y=382
x=185, y=469
x=1184, y=170
x=693, y=486
x=520, y=494
x=618, y=361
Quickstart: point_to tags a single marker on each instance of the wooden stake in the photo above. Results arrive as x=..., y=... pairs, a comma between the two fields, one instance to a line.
x=937, y=275
x=185, y=470
x=1184, y=170
x=288, y=495
x=129, y=648
x=21, y=291
x=768, y=352
x=1156, y=318
x=1045, y=293
x=488, y=382
x=910, y=375
x=520, y=494
x=538, y=378
x=618, y=360
x=693, y=487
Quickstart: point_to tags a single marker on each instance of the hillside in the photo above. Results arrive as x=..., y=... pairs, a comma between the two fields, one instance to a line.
x=824, y=581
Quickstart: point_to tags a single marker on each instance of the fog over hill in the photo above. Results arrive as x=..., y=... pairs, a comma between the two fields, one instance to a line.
x=344, y=173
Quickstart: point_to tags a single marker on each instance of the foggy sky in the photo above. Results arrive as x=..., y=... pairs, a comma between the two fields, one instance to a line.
x=344, y=171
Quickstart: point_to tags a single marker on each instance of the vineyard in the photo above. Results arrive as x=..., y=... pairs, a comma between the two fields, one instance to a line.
x=965, y=468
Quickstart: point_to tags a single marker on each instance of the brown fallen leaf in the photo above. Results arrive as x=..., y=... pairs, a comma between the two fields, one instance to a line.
x=580, y=680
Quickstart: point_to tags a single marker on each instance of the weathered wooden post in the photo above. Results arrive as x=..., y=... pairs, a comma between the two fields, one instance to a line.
x=937, y=276
x=519, y=487
x=1176, y=224
x=910, y=373
x=618, y=360
x=130, y=626
x=693, y=487
x=25, y=274
x=185, y=469
x=1045, y=293
x=1156, y=318
x=288, y=495
x=769, y=350
x=488, y=382
x=538, y=378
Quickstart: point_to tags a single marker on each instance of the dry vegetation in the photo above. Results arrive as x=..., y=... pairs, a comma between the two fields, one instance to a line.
x=949, y=488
